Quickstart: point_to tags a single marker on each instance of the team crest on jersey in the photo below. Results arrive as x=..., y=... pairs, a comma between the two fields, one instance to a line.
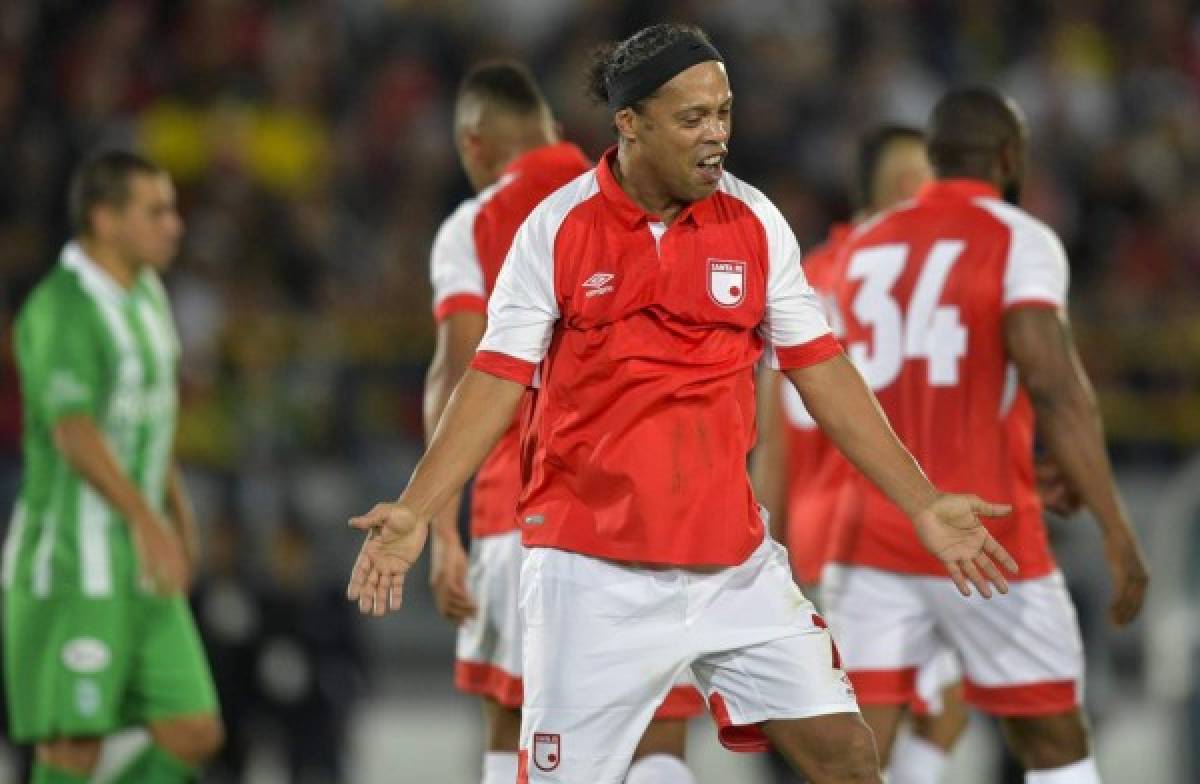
x=727, y=282
x=547, y=750
x=86, y=655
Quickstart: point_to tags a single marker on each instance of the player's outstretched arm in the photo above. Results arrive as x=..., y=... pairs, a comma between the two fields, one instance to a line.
x=948, y=525
x=479, y=412
x=458, y=336
x=1039, y=342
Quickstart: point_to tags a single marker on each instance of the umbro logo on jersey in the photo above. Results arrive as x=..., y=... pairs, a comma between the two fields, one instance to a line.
x=599, y=283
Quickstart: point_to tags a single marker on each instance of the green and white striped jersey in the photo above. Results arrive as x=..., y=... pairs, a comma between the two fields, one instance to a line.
x=85, y=345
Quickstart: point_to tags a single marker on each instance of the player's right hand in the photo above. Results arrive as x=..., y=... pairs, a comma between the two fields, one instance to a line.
x=161, y=555
x=448, y=577
x=1056, y=491
x=395, y=539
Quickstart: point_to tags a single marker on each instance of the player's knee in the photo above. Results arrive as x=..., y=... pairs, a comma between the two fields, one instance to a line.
x=194, y=740
x=851, y=758
x=77, y=755
x=1043, y=742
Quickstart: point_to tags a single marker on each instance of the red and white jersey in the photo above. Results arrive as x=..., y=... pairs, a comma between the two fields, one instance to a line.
x=922, y=292
x=816, y=468
x=467, y=254
x=647, y=338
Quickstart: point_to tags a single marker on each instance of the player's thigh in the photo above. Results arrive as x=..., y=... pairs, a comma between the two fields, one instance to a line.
x=1021, y=652
x=603, y=645
x=488, y=651
x=170, y=676
x=884, y=630
x=67, y=664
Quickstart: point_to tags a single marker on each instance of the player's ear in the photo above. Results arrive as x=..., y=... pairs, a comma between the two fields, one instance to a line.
x=625, y=120
x=102, y=221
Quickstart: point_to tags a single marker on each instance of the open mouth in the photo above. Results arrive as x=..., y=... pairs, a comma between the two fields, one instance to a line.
x=711, y=167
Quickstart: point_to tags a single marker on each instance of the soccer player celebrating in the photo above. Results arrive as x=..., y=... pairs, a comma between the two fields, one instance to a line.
x=954, y=308
x=97, y=631
x=508, y=144
x=643, y=293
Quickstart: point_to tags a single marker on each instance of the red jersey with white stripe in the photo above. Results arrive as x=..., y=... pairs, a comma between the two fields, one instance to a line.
x=816, y=468
x=467, y=254
x=923, y=293
x=647, y=338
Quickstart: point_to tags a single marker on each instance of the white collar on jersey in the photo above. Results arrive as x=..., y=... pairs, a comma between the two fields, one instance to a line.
x=94, y=277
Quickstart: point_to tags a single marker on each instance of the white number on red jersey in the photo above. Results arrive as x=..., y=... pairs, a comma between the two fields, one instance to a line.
x=930, y=331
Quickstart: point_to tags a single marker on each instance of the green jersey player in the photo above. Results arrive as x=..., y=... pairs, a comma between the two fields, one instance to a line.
x=97, y=631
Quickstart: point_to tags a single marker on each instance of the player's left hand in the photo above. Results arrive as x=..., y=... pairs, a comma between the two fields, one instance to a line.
x=1130, y=577
x=950, y=529
x=395, y=539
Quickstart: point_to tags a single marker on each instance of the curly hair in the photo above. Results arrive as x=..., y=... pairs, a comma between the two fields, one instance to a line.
x=612, y=59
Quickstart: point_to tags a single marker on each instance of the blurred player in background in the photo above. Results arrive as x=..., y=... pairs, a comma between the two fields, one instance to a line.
x=509, y=145
x=97, y=631
x=643, y=294
x=799, y=474
x=954, y=309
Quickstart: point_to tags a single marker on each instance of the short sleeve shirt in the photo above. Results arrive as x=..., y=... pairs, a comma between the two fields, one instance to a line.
x=647, y=337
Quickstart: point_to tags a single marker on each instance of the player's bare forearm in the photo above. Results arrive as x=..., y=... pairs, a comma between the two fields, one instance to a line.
x=86, y=450
x=848, y=413
x=768, y=466
x=479, y=412
x=458, y=337
x=1039, y=343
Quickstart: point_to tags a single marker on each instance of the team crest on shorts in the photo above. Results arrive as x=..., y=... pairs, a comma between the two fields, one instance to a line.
x=727, y=282
x=547, y=750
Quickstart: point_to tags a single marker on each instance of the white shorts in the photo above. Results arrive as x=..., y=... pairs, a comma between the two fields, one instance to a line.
x=933, y=678
x=488, y=651
x=604, y=641
x=1021, y=653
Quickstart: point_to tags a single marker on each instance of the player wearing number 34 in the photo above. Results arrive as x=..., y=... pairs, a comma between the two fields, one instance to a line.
x=954, y=310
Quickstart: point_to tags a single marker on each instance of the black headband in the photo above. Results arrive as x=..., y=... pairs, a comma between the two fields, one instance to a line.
x=628, y=88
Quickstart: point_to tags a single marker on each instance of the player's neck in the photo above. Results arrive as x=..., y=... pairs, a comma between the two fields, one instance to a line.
x=644, y=192
x=109, y=260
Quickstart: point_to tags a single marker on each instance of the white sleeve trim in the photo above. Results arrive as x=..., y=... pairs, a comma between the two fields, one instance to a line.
x=454, y=263
x=794, y=314
x=1036, y=268
x=523, y=307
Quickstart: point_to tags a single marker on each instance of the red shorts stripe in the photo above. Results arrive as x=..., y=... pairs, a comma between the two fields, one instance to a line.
x=522, y=767
x=1043, y=698
x=503, y=366
x=736, y=737
x=459, y=303
x=488, y=680
x=884, y=687
x=811, y=353
x=682, y=702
